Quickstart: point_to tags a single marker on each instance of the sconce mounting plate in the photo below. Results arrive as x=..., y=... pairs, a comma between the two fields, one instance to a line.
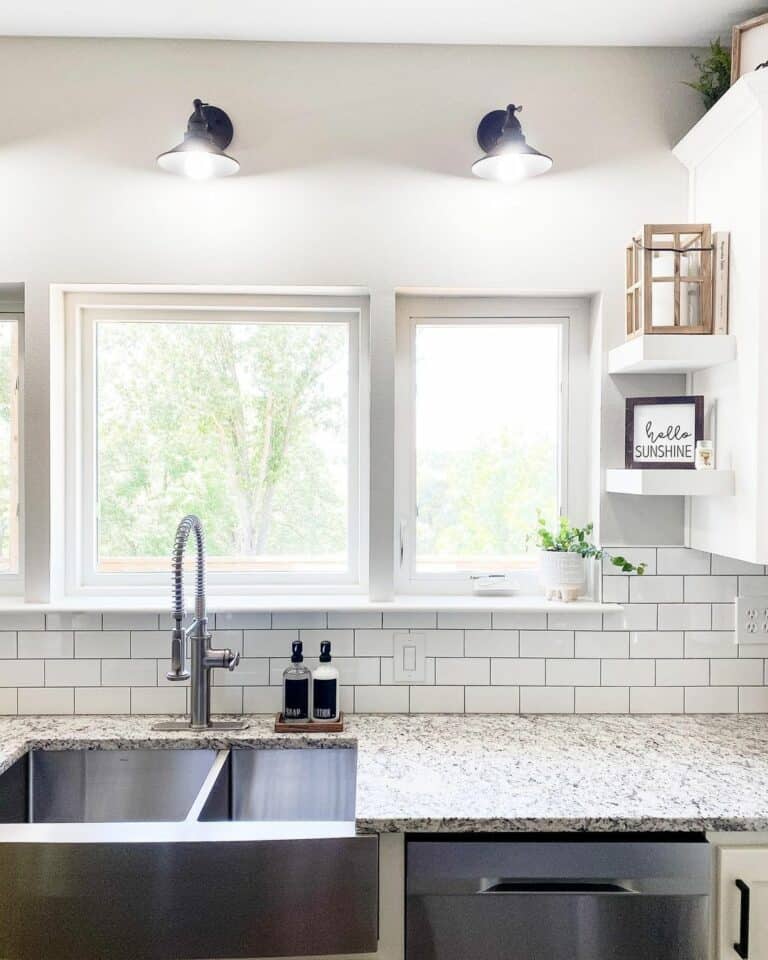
x=219, y=126
x=490, y=129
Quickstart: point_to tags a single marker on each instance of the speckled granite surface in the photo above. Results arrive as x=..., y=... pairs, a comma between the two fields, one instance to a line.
x=499, y=773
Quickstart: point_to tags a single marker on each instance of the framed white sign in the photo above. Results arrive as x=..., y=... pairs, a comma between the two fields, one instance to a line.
x=661, y=432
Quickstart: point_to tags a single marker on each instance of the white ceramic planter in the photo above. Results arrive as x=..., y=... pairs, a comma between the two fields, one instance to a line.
x=563, y=575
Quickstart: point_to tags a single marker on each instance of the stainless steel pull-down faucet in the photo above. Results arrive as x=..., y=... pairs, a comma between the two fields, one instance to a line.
x=202, y=658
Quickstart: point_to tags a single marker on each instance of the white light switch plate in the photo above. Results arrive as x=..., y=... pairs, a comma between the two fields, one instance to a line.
x=751, y=620
x=409, y=657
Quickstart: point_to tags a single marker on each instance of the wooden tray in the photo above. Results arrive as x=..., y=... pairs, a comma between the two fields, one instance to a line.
x=311, y=726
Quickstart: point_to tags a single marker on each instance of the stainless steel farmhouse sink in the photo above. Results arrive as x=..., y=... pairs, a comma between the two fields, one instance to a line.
x=185, y=853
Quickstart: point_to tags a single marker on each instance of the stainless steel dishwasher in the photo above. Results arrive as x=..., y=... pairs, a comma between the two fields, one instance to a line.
x=574, y=897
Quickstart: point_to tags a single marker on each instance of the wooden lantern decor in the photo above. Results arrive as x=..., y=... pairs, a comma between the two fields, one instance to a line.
x=669, y=279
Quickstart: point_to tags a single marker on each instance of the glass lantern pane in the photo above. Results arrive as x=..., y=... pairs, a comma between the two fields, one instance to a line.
x=690, y=263
x=663, y=304
x=663, y=257
x=690, y=304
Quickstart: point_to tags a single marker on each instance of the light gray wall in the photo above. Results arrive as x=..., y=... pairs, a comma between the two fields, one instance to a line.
x=355, y=170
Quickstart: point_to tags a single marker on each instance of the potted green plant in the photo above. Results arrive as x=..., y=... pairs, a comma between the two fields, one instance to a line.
x=714, y=73
x=562, y=552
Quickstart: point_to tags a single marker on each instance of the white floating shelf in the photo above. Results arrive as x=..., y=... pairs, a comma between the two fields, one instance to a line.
x=671, y=353
x=670, y=483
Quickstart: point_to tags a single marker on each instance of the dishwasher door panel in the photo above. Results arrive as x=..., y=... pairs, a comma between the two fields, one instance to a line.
x=555, y=926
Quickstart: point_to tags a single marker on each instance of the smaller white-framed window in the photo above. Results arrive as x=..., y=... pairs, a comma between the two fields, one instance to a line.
x=491, y=426
x=249, y=410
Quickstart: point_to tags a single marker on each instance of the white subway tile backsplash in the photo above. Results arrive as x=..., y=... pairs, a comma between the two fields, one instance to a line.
x=354, y=619
x=710, y=589
x=50, y=700
x=682, y=560
x=633, y=616
x=492, y=700
x=603, y=643
x=310, y=620
x=685, y=616
x=737, y=673
x=682, y=673
x=670, y=648
x=546, y=643
x=409, y=620
x=656, y=700
x=635, y=555
x=547, y=700
x=262, y=700
x=342, y=642
x=616, y=590
x=572, y=673
x=269, y=643
x=129, y=673
x=22, y=673
x=656, y=589
x=656, y=644
x=8, y=646
x=528, y=672
x=711, y=700
x=103, y=643
x=9, y=702
x=382, y=699
x=158, y=700
x=243, y=621
x=46, y=644
x=711, y=643
x=73, y=673
x=628, y=673
x=723, y=616
x=727, y=565
x=437, y=699
x=73, y=621
x=90, y=700
x=131, y=621
x=602, y=700
x=492, y=643
x=463, y=620
x=519, y=620
x=462, y=670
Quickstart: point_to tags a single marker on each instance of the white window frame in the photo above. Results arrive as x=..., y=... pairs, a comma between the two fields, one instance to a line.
x=12, y=582
x=571, y=316
x=83, y=310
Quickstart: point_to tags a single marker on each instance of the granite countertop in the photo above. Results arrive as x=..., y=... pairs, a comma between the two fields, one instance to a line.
x=496, y=773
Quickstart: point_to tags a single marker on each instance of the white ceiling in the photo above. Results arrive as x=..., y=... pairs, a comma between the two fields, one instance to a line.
x=570, y=22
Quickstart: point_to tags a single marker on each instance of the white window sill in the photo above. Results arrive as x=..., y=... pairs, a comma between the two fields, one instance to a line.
x=271, y=603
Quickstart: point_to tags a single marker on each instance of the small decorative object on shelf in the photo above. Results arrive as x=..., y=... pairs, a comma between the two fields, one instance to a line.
x=705, y=455
x=661, y=433
x=749, y=46
x=562, y=555
x=669, y=279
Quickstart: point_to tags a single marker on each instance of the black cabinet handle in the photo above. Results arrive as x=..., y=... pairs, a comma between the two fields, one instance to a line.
x=742, y=947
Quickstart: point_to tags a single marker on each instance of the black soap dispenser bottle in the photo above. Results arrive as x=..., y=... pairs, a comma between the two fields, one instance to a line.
x=325, y=687
x=297, y=682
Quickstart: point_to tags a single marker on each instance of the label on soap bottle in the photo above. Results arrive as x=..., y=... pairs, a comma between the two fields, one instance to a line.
x=324, y=700
x=296, y=699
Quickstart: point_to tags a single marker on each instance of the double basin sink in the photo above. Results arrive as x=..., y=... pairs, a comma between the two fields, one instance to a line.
x=152, y=854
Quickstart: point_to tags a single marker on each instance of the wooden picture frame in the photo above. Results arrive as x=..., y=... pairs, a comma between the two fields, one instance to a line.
x=670, y=436
x=743, y=61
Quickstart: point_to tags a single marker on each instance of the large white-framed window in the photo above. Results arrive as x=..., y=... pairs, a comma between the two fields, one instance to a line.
x=11, y=541
x=250, y=410
x=491, y=425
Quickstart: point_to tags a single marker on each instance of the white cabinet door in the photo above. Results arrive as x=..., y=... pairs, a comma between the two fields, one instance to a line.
x=742, y=897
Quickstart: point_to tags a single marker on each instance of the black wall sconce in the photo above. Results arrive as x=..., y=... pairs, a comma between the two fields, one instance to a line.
x=200, y=155
x=508, y=157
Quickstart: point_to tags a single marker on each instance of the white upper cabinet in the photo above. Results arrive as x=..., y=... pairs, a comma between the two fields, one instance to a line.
x=727, y=156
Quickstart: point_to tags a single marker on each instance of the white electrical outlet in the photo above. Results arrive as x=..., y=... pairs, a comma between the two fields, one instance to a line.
x=751, y=620
x=409, y=657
